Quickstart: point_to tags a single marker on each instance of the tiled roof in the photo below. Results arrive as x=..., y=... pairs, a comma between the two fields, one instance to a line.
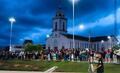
x=82, y=38
x=70, y=36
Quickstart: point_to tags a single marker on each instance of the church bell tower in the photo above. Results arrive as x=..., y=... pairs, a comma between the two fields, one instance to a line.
x=59, y=22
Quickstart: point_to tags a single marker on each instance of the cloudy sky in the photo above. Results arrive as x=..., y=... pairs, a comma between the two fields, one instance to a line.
x=34, y=18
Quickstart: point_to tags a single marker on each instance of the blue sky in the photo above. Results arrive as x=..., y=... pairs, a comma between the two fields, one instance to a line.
x=34, y=18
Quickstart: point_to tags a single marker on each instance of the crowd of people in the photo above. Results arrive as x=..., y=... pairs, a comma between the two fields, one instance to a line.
x=109, y=56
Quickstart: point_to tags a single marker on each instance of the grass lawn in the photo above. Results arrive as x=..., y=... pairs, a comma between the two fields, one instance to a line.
x=44, y=65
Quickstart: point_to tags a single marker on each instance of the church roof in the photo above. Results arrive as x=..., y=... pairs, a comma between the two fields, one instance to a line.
x=70, y=36
x=97, y=39
x=82, y=38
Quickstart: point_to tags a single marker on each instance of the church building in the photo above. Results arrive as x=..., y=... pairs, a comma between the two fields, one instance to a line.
x=61, y=39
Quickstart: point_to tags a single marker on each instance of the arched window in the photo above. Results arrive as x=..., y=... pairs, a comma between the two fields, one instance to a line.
x=59, y=14
x=55, y=26
x=63, y=26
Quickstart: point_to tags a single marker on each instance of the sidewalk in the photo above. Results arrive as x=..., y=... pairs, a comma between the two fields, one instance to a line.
x=20, y=72
x=32, y=72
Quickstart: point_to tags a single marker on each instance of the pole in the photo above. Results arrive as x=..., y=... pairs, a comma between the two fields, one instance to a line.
x=89, y=39
x=115, y=18
x=110, y=43
x=12, y=20
x=11, y=36
x=73, y=26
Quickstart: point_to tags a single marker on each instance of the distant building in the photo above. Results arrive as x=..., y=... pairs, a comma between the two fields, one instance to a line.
x=17, y=48
x=61, y=39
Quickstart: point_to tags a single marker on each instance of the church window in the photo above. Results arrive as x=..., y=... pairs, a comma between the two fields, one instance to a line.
x=55, y=35
x=60, y=23
x=59, y=14
x=55, y=25
x=63, y=26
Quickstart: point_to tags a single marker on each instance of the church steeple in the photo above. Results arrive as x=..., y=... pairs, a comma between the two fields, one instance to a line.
x=59, y=21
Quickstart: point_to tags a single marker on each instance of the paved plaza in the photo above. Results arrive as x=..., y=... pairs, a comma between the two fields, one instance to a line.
x=32, y=72
x=19, y=72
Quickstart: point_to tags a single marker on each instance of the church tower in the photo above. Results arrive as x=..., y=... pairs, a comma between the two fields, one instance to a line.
x=59, y=22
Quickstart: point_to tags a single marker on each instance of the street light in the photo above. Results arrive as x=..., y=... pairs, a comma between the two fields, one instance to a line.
x=73, y=7
x=12, y=20
x=74, y=1
x=47, y=35
x=102, y=41
x=81, y=27
x=102, y=46
x=109, y=37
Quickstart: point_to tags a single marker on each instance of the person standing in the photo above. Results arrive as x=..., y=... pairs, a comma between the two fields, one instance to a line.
x=99, y=63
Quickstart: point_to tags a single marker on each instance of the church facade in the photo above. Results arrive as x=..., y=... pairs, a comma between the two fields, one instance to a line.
x=61, y=39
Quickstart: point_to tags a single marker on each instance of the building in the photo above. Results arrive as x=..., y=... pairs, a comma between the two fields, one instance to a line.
x=17, y=48
x=61, y=39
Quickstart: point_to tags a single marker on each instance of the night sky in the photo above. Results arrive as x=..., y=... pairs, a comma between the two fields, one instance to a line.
x=34, y=18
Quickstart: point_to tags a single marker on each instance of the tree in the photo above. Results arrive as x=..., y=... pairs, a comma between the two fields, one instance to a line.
x=32, y=48
x=116, y=47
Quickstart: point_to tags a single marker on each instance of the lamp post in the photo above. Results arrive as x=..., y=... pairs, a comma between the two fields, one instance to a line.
x=109, y=37
x=73, y=8
x=73, y=1
x=82, y=27
x=47, y=36
x=12, y=20
x=102, y=46
x=102, y=41
x=89, y=40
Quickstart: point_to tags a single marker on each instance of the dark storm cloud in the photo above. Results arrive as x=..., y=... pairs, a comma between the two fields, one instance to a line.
x=89, y=10
x=32, y=14
x=31, y=21
x=47, y=6
x=4, y=36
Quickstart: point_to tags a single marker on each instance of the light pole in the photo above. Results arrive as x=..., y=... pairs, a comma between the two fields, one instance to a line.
x=47, y=47
x=89, y=40
x=109, y=37
x=73, y=2
x=82, y=27
x=73, y=8
x=102, y=41
x=102, y=46
x=12, y=20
